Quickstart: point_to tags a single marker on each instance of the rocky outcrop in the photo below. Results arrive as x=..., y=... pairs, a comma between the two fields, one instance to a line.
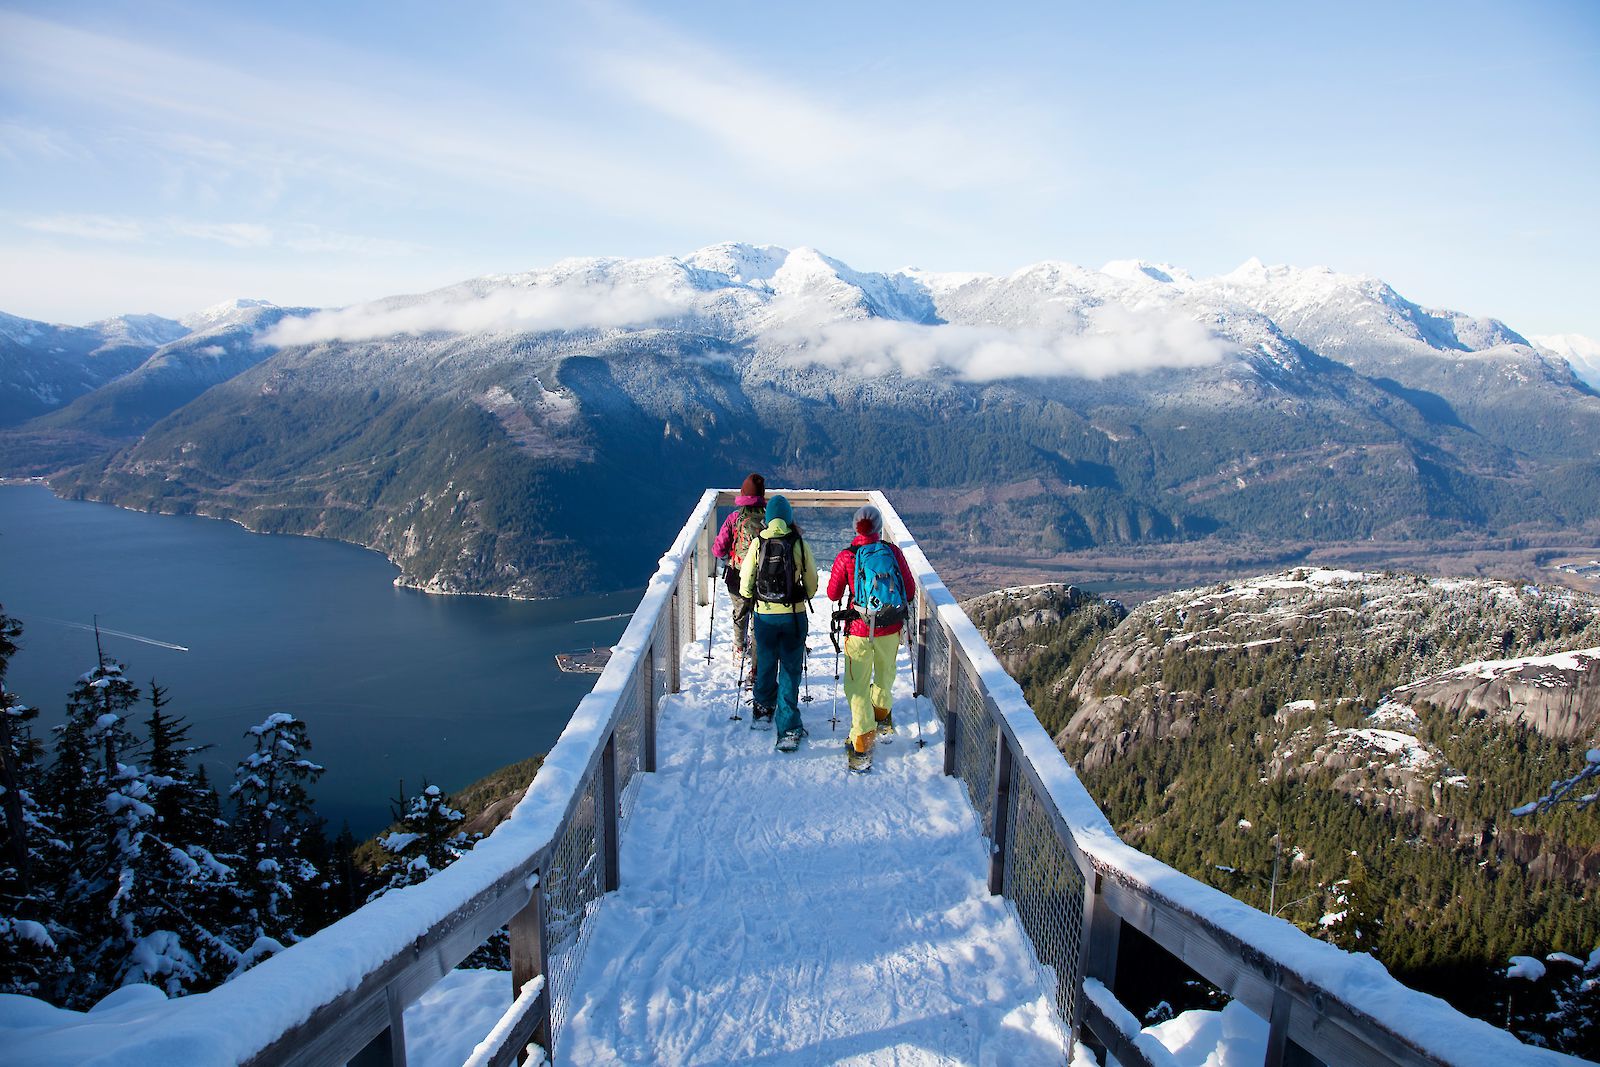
x=1044, y=634
x=1338, y=636
x=1559, y=696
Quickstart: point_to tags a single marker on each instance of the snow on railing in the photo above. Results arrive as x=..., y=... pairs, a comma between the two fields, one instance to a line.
x=1072, y=881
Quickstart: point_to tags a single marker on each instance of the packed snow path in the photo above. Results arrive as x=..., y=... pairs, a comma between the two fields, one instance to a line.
x=776, y=909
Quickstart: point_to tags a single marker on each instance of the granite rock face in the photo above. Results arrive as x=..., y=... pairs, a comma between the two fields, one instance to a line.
x=1559, y=696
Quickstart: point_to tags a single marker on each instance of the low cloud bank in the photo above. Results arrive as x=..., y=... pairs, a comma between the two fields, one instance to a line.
x=1103, y=342
x=530, y=309
x=1095, y=344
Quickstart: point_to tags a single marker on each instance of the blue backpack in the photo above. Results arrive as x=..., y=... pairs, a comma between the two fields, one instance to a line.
x=878, y=592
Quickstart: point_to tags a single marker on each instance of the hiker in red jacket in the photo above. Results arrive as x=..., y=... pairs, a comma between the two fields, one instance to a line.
x=739, y=529
x=874, y=575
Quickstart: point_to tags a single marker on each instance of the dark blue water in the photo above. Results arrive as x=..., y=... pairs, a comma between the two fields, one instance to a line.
x=394, y=684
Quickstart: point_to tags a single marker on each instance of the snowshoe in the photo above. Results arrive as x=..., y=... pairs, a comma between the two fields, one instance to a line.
x=760, y=717
x=859, y=762
x=789, y=740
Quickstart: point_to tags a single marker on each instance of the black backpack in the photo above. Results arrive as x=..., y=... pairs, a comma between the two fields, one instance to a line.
x=778, y=573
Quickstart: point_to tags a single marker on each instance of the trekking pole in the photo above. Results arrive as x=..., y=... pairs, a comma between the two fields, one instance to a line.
x=833, y=635
x=738, y=687
x=711, y=626
x=805, y=675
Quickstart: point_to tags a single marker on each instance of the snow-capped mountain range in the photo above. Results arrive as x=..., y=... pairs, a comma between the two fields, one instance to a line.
x=1048, y=319
x=1137, y=401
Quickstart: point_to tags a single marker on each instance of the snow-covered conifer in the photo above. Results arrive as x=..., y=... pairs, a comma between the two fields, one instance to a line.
x=272, y=817
x=174, y=897
x=30, y=960
x=89, y=798
x=426, y=839
x=1355, y=916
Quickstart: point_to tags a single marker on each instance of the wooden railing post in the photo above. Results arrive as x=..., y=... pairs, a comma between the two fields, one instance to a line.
x=919, y=650
x=1278, y=1030
x=608, y=812
x=999, y=802
x=388, y=1049
x=1097, y=952
x=530, y=959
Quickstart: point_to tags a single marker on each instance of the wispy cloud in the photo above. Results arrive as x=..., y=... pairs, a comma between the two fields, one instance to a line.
x=1102, y=343
x=329, y=127
x=531, y=309
x=233, y=234
x=297, y=237
x=89, y=227
x=792, y=135
x=20, y=140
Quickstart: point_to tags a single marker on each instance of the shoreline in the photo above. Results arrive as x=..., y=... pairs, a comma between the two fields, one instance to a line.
x=400, y=580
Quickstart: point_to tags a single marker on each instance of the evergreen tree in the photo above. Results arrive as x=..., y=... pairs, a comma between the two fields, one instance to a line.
x=29, y=954
x=427, y=839
x=1355, y=916
x=272, y=818
x=91, y=800
x=172, y=905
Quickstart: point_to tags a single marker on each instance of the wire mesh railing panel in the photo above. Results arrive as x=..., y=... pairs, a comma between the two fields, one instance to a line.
x=572, y=883
x=1047, y=889
x=633, y=705
x=938, y=671
x=686, y=602
x=975, y=744
x=660, y=658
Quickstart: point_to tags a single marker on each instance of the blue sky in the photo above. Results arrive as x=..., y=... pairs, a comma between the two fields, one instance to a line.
x=163, y=156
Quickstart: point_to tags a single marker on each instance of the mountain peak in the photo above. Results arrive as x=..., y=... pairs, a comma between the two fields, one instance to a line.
x=227, y=311
x=1138, y=270
x=742, y=262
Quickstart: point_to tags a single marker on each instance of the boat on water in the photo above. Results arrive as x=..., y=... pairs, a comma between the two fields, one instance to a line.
x=584, y=660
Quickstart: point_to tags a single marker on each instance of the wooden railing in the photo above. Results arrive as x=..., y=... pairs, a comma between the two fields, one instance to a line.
x=1074, y=885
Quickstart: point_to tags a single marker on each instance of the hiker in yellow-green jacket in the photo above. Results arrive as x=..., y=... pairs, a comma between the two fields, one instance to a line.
x=780, y=574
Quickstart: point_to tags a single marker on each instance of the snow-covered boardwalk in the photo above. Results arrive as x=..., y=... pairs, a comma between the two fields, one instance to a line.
x=776, y=909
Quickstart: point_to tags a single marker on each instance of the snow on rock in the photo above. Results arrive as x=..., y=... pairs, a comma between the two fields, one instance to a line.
x=1392, y=715
x=1525, y=967
x=1558, y=695
x=1580, y=659
x=1387, y=746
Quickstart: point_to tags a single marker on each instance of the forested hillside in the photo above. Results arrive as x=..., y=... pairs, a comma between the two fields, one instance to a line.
x=1256, y=735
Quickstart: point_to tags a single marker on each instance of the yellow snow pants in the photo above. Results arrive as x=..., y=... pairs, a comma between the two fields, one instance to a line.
x=869, y=669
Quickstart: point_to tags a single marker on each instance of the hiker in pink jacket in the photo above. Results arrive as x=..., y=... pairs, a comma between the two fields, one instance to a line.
x=739, y=529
